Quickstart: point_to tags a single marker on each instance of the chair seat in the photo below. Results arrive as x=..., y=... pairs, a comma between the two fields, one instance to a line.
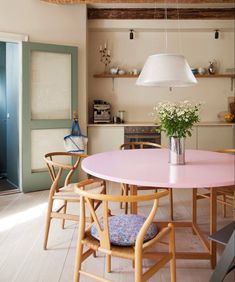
x=123, y=229
x=119, y=251
x=67, y=192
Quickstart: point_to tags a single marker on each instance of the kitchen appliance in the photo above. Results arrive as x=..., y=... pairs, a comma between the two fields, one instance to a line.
x=101, y=111
x=141, y=134
x=120, y=114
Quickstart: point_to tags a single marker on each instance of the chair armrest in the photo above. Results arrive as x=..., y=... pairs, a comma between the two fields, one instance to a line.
x=158, y=237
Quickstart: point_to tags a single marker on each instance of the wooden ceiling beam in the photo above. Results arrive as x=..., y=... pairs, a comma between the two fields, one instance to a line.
x=145, y=14
x=139, y=1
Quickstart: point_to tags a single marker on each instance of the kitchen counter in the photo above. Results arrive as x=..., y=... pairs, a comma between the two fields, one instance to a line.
x=206, y=135
x=203, y=123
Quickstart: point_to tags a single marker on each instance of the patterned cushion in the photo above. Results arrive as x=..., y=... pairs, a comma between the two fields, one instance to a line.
x=123, y=229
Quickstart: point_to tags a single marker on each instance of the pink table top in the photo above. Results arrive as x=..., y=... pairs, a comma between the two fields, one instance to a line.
x=150, y=167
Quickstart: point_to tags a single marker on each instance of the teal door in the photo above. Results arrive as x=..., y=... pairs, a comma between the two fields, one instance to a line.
x=49, y=98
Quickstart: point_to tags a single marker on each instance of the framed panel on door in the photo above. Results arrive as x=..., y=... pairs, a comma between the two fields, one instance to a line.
x=49, y=98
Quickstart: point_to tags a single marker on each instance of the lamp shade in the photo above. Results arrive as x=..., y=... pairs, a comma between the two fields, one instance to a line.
x=166, y=70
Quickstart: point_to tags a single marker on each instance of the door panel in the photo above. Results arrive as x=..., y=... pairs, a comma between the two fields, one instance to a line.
x=49, y=99
x=12, y=94
x=40, y=145
x=51, y=81
x=3, y=127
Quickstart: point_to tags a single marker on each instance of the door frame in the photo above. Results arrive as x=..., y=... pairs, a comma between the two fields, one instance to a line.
x=17, y=38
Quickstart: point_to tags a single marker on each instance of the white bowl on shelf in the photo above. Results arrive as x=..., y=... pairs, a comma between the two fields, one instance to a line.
x=121, y=72
x=113, y=70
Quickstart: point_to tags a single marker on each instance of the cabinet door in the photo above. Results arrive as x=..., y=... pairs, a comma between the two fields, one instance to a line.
x=103, y=139
x=190, y=142
x=216, y=137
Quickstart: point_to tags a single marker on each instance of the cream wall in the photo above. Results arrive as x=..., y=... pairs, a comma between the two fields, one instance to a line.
x=197, y=44
x=47, y=23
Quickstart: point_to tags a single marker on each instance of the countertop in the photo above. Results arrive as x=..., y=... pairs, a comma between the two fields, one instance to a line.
x=203, y=123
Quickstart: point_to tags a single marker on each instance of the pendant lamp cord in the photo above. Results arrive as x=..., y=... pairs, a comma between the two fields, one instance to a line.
x=155, y=12
x=179, y=28
x=166, y=35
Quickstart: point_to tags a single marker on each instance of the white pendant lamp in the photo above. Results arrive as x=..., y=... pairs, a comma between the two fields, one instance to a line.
x=166, y=70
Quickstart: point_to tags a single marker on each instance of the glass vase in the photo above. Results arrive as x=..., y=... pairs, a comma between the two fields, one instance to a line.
x=176, y=150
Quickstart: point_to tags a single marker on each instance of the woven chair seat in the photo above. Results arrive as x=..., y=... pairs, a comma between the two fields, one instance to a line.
x=68, y=193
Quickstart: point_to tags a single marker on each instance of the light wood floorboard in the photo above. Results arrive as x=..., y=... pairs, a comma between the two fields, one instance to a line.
x=23, y=259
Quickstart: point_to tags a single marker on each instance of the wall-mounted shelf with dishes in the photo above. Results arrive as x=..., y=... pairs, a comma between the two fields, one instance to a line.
x=215, y=75
x=109, y=75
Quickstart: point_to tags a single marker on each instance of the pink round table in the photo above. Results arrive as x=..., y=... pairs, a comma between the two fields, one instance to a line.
x=150, y=167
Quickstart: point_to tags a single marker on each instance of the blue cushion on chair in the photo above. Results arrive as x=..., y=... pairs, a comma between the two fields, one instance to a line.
x=123, y=229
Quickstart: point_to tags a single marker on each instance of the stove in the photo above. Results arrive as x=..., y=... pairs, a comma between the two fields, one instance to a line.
x=141, y=134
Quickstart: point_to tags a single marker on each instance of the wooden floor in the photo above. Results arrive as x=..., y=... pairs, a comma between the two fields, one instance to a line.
x=22, y=258
x=6, y=185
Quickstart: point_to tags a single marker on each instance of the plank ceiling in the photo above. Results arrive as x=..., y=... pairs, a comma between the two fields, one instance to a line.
x=154, y=9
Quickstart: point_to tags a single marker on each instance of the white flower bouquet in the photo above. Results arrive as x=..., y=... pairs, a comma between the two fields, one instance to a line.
x=177, y=118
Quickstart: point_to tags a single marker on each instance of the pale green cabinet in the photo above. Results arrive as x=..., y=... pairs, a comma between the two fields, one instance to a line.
x=215, y=137
x=208, y=137
x=104, y=138
x=204, y=137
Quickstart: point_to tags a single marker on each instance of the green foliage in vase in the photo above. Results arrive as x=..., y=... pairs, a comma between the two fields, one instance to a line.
x=176, y=118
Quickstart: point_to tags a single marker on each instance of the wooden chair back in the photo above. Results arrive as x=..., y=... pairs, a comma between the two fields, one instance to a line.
x=229, y=151
x=62, y=189
x=88, y=198
x=56, y=167
x=125, y=187
x=135, y=253
x=139, y=145
x=227, y=193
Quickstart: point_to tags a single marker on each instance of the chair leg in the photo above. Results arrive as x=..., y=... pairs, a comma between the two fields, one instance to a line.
x=125, y=192
x=121, y=195
x=233, y=205
x=172, y=251
x=138, y=265
x=93, y=205
x=224, y=206
x=194, y=208
x=78, y=262
x=171, y=204
x=108, y=263
x=48, y=223
x=64, y=212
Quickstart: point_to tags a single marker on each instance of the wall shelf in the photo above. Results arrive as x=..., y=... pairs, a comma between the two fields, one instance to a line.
x=215, y=75
x=109, y=75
